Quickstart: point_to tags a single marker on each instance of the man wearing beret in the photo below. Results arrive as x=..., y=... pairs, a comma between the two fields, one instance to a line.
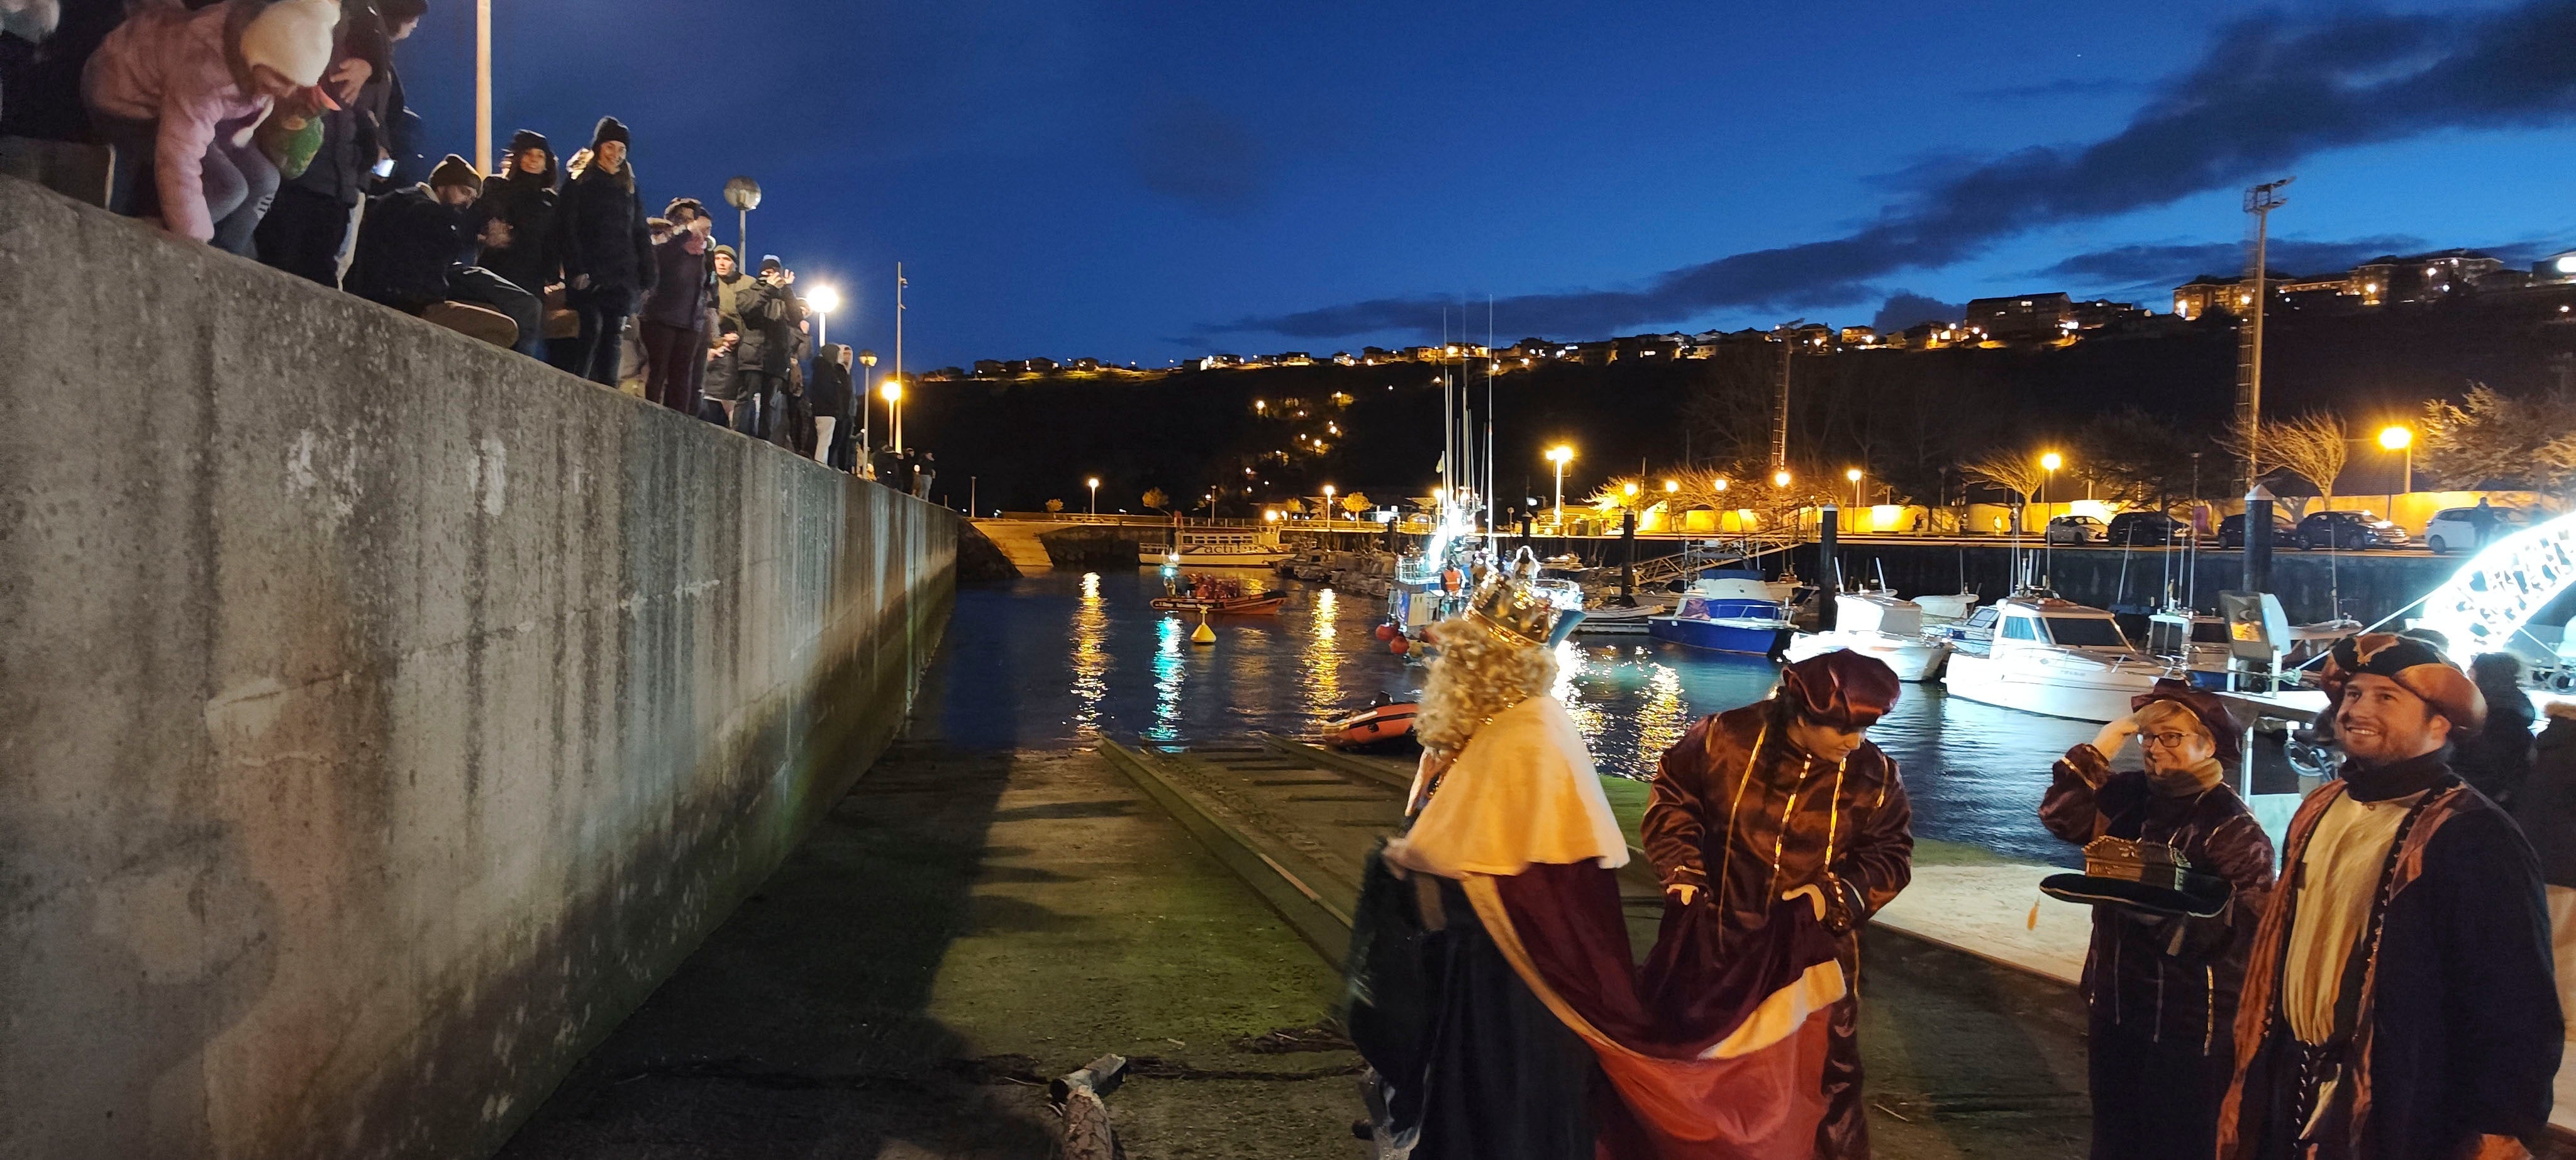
x=1760, y=817
x=2399, y=1001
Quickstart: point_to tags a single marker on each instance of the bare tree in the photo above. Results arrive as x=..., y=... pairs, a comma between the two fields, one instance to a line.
x=2313, y=447
x=2015, y=471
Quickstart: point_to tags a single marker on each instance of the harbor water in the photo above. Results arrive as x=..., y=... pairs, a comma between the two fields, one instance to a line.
x=1056, y=661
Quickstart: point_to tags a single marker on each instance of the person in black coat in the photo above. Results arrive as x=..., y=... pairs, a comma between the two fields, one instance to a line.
x=770, y=314
x=307, y=224
x=2546, y=810
x=417, y=244
x=522, y=201
x=607, y=251
x=828, y=391
x=2497, y=757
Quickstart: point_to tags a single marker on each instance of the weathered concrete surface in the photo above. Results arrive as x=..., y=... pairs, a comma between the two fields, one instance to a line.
x=382, y=715
x=963, y=926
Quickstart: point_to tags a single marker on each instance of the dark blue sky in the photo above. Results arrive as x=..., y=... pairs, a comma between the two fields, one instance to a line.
x=1150, y=181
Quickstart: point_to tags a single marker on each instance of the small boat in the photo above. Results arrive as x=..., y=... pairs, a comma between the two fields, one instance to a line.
x=1726, y=611
x=2055, y=658
x=1385, y=720
x=1877, y=624
x=1217, y=596
x=1946, y=606
x=1613, y=620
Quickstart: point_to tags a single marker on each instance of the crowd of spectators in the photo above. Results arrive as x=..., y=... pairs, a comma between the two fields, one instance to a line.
x=279, y=130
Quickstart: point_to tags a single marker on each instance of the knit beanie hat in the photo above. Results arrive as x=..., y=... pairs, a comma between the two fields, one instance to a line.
x=526, y=139
x=455, y=170
x=610, y=129
x=727, y=251
x=292, y=37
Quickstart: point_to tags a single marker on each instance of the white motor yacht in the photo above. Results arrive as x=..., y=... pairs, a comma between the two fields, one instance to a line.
x=1946, y=606
x=2056, y=658
x=1881, y=625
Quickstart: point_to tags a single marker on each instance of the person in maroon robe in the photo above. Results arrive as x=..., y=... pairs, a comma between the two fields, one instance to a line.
x=1489, y=951
x=2162, y=988
x=1781, y=807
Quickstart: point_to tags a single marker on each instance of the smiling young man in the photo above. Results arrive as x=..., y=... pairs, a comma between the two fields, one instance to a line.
x=2399, y=1001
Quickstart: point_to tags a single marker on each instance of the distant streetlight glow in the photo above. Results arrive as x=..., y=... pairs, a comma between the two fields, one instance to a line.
x=1674, y=485
x=1094, y=484
x=824, y=298
x=1560, y=455
x=1854, y=476
x=1779, y=479
x=2052, y=461
x=1721, y=483
x=2396, y=438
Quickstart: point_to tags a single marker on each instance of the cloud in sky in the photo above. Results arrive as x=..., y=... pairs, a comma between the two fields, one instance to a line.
x=2054, y=90
x=2267, y=92
x=2166, y=265
x=1905, y=308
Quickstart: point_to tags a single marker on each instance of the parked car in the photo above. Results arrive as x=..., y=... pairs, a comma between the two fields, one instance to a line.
x=2076, y=530
x=2231, y=531
x=2141, y=528
x=2348, y=530
x=2457, y=527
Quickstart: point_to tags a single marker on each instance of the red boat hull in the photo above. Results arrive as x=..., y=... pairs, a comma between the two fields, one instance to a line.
x=1371, y=726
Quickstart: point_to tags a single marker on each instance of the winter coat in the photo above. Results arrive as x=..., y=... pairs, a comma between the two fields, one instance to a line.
x=2497, y=757
x=828, y=389
x=769, y=318
x=177, y=68
x=724, y=376
x=599, y=221
x=680, y=283
x=2172, y=980
x=405, y=246
x=2546, y=807
x=526, y=203
x=727, y=298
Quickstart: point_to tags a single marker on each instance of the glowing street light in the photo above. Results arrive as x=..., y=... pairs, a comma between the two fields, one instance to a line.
x=1671, y=486
x=1094, y=484
x=1780, y=478
x=1721, y=483
x=2050, y=463
x=1854, y=476
x=1328, y=501
x=823, y=300
x=892, y=393
x=2400, y=439
x=1560, y=455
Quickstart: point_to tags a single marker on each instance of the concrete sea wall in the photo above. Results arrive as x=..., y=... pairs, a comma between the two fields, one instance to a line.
x=382, y=715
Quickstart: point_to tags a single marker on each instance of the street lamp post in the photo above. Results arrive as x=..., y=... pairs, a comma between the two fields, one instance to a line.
x=867, y=411
x=743, y=194
x=483, y=85
x=1560, y=455
x=892, y=393
x=2402, y=440
x=1094, y=484
x=1328, y=503
x=1854, y=476
x=2049, y=463
x=824, y=300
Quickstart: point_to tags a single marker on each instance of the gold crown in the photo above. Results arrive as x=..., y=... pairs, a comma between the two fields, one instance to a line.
x=1511, y=606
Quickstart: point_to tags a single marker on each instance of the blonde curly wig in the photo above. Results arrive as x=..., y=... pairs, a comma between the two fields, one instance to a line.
x=1475, y=675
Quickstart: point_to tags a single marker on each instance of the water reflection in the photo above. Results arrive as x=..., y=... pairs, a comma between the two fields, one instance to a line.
x=1090, y=655
x=1321, y=673
x=1975, y=771
x=1171, y=638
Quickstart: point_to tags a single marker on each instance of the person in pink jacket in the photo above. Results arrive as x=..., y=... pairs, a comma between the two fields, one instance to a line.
x=177, y=94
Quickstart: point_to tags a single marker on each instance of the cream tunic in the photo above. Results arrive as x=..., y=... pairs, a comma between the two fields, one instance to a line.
x=2337, y=883
x=1523, y=791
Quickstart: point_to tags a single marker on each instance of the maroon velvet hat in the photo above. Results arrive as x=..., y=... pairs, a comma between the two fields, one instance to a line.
x=2211, y=711
x=1842, y=688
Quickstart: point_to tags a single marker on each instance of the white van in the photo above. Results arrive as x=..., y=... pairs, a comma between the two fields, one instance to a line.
x=2455, y=527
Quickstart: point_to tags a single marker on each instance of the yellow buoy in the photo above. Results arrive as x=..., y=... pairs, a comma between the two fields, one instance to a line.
x=1203, y=634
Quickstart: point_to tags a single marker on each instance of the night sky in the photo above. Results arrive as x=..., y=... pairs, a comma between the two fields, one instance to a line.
x=1151, y=181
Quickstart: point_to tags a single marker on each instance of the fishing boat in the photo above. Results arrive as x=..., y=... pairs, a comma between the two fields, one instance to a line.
x=1217, y=596
x=2052, y=657
x=1946, y=606
x=1726, y=611
x=1384, y=721
x=1878, y=624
